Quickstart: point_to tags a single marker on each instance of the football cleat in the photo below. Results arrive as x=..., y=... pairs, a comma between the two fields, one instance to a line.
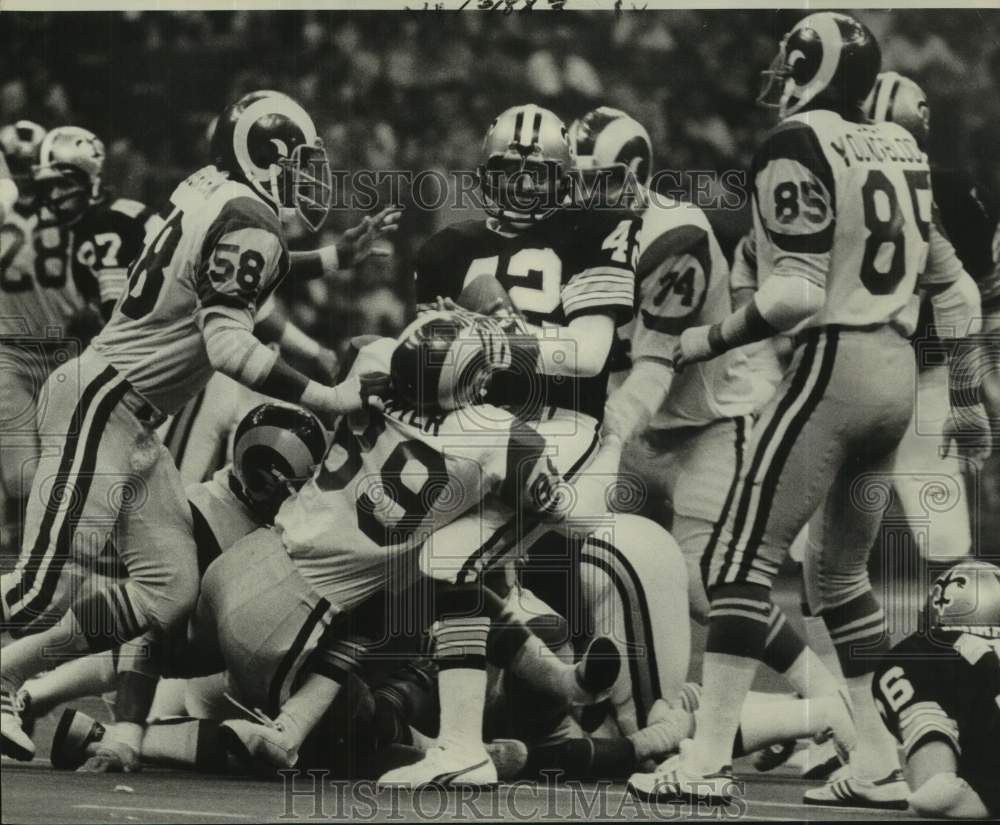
x=76, y=739
x=112, y=756
x=14, y=742
x=28, y=717
x=597, y=671
x=673, y=781
x=845, y=791
x=773, y=756
x=447, y=765
x=819, y=761
x=272, y=741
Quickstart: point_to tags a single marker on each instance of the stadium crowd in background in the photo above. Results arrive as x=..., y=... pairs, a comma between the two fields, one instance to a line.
x=411, y=92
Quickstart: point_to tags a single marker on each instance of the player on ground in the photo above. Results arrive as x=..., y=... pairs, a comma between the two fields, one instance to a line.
x=842, y=224
x=187, y=310
x=940, y=696
x=371, y=518
x=690, y=429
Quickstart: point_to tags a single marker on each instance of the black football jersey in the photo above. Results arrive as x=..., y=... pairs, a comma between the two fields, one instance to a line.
x=966, y=215
x=948, y=689
x=106, y=240
x=577, y=262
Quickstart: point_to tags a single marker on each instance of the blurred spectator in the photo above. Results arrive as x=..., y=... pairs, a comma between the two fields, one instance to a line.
x=413, y=92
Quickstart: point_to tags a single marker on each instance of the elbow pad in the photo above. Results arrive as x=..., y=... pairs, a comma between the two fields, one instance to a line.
x=786, y=301
x=234, y=351
x=957, y=309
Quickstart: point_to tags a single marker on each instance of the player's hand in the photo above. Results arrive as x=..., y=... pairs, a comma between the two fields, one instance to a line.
x=374, y=388
x=358, y=242
x=692, y=347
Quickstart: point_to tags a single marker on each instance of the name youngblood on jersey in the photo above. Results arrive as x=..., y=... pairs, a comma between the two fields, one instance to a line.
x=575, y=263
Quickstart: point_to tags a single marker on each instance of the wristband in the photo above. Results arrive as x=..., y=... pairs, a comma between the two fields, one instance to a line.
x=329, y=258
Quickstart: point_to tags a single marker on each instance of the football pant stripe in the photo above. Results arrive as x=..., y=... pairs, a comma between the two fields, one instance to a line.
x=785, y=444
x=776, y=428
x=286, y=666
x=643, y=668
x=63, y=493
x=62, y=548
x=740, y=447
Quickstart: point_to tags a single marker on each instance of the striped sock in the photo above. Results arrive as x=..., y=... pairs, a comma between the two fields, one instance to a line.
x=857, y=628
x=783, y=645
x=737, y=632
x=461, y=659
x=738, y=621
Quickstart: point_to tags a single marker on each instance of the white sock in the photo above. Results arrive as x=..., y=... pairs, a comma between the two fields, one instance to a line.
x=307, y=705
x=810, y=676
x=89, y=676
x=875, y=755
x=727, y=681
x=462, y=694
x=768, y=723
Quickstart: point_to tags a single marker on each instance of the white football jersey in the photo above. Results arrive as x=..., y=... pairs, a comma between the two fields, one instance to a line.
x=38, y=294
x=199, y=435
x=221, y=249
x=389, y=480
x=683, y=282
x=847, y=206
x=220, y=518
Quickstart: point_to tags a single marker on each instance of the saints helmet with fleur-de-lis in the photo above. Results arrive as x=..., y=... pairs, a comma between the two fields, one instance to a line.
x=967, y=599
x=70, y=164
x=268, y=141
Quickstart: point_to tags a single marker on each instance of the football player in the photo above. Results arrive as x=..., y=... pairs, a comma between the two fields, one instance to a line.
x=919, y=460
x=32, y=268
x=839, y=269
x=101, y=235
x=187, y=310
x=371, y=519
x=9, y=192
x=940, y=696
x=690, y=429
x=276, y=447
